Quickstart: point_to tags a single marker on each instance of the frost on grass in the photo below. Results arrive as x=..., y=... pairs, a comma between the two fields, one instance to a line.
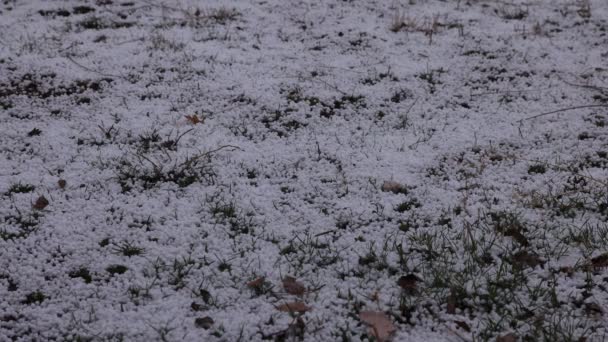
x=318, y=171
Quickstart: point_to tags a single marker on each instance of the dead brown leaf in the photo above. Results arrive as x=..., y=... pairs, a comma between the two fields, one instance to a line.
x=292, y=286
x=380, y=325
x=204, y=322
x=594, y=309
x=463, y=325
x=394, y=187
x=527, y=259
x=256, y=283
x=600, y=261
x=451, y=309
x=294, y=307
x=409, y=282
x=510, y=337
x=41, y=203
x=194, y=119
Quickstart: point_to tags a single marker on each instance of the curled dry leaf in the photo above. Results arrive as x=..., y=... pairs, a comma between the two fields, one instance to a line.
x=256, y=283
x=380, y=325
x=194, y=119
x=204, y=322
x=594, y=309
x=293, y=287
x=41, y=203
x=394, y=187
x=600, y=261
x=293, y=307
x=463, y=325
x=527, y=259
x=451, y=309
x=196, y=306
x=510, y=337
x=409, y=282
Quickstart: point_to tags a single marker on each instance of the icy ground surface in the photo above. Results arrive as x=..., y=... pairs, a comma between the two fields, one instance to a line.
x=270, y=169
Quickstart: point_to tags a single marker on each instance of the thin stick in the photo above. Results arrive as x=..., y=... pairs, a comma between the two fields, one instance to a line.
x=563, y=110
x=593, y=87
x=95, y=71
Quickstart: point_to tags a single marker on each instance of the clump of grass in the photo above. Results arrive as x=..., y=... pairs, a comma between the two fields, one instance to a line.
x=83, y=273
x=19, y=225
x=537, y=168
x=150, y=169
x=428, y=26
x=221, y=15
x=512, y=12
x=20, y=188
x=408, y=205
x=34, y=297
x=128, y=249
x=116, y=269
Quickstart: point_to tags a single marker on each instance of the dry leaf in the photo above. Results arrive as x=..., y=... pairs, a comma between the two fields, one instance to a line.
x=527, y=259
x=194, y=119
x=517, y=235
x=569, y=270
x=62, y=183
x=463, y=325
x=293, y=307
x=409, y=282
x=204, y=322
x=381, y=326
x=394, y=187
x=510, y=337
x=41, y=203
x=451, y=303
x=196, y=307
x=256, y=283
x=600, y=261
x=593, y=309
x=293, y=287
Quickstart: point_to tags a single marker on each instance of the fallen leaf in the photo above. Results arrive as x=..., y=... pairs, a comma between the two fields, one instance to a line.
x=409, y=282
x=600, y=261
x=293, y=287
x=196, y=307
x=463, y=325
x=394, y=187
x=569, y=270
x=517, y=235
x=204, y=322
x=41, y=203
x=527, y=259
x=380, y=325
x=62, y=183
x=451, y=309
x=510, y=337
x=594, y=309
x=194, y=119
x=293, y=307
x=256, y=283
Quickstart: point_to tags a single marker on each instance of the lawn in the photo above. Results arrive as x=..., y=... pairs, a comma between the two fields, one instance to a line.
x=311, y=170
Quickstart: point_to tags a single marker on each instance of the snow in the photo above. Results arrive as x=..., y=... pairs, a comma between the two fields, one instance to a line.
x=307, y=108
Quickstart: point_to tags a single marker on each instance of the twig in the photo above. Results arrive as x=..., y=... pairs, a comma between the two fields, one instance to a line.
x=603, y=90
x=95, y=71
x=326, y=232
x=189, y=162
x=562, y=110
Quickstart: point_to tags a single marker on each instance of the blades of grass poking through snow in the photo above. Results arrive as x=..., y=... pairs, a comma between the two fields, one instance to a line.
x=167, y=168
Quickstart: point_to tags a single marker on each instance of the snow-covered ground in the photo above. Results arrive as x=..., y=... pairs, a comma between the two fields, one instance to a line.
x=318, y=170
